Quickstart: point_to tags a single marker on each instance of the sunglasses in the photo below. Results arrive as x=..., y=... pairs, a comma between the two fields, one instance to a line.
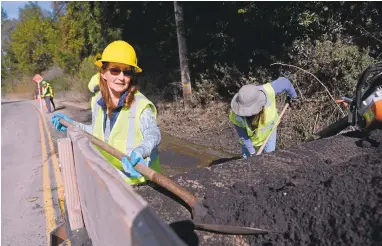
x=117, y=71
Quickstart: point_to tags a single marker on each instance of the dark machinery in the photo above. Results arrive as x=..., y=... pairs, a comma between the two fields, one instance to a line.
x=365, y=109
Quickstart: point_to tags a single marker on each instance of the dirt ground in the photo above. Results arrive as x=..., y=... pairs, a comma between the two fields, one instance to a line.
x=320, y=193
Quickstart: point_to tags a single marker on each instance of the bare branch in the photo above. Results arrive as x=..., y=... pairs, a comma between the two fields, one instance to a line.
x=334, y=101
x=369, y=34
x=298, y=88
x=315, y=123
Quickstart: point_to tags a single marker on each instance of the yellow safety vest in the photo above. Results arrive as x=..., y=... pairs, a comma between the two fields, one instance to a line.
x=94, y=81
x=45, y=92
x=126, y=134
x=267, y=119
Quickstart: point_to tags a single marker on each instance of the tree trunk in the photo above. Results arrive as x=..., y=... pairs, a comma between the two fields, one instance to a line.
x=184, y=68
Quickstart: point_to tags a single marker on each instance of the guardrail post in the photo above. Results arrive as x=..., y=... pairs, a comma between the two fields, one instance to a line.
x=113, y=213
x=65, y=151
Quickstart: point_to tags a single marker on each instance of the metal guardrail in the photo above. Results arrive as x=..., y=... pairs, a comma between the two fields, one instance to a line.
x=99, y=200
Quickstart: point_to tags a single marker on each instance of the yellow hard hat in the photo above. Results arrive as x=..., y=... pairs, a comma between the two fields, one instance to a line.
x=121, y=52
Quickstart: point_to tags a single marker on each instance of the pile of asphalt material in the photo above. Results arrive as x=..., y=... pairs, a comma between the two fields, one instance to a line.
x=327, y=192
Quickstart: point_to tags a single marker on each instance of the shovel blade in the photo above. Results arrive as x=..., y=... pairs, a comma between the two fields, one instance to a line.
x=225, y=229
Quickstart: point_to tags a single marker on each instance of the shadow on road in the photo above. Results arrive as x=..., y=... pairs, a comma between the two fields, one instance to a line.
x=11, y=102
x=59, y=108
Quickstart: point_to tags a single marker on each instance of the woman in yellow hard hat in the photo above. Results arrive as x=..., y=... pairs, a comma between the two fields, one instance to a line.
x=122, y=116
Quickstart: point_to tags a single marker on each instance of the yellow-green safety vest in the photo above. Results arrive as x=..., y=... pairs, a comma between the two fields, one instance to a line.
x=126, y=133
x=45, y=90
x=94, y=81
x=267, y=120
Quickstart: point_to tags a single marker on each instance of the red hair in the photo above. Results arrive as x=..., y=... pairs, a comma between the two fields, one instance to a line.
x=106, y=93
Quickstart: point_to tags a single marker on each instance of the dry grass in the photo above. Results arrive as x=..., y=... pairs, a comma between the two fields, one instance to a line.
x=23, y=88
x=73, y=96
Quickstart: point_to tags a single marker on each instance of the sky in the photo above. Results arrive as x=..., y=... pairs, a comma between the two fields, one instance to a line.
x=12, y=7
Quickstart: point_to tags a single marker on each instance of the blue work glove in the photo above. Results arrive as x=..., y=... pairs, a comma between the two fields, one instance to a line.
x=56, y=121
x=128, y=166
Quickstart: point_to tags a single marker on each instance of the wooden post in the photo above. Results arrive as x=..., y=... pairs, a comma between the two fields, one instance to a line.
x=72, y=198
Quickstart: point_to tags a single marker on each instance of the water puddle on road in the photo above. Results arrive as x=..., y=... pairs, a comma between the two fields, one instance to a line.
x=180, y=156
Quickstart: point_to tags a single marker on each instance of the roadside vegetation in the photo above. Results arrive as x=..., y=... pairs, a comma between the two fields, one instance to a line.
x=321, y=46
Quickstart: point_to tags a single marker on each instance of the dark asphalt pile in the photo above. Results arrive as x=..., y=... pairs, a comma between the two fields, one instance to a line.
x=328, y=192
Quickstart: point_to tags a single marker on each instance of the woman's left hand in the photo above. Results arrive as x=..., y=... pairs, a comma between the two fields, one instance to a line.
x=128, y=166
x=56, y=121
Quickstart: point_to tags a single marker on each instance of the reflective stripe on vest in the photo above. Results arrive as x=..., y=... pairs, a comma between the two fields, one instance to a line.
x=267, y=119
x=126, y=134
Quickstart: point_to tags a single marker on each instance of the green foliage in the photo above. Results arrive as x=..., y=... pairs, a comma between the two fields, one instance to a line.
x=29, y=11
x=73, y=39
x=78, y=42
x=61, y=83
x=241, y=11
x=8, y=60
x=34, y=41
x=337, y=64
x=87, y=68
x=85, y=72
x=229, y=43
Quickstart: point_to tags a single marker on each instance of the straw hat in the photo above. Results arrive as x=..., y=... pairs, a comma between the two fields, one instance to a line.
x=250, y=100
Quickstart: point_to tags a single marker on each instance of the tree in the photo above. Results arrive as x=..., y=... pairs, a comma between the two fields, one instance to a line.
x=4, y=67
x=77, y=42
x=30, y=10
x=34, y=40
x=4, y=15
x=7, y=56
x=58, y=9
x=184, y=68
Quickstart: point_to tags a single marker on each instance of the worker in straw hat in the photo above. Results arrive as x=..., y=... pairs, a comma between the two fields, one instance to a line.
x=254, y=114
x=121, y=115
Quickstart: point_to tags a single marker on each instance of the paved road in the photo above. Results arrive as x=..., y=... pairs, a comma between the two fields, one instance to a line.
x=29, y=199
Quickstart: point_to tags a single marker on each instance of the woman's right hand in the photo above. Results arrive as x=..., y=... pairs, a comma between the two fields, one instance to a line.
x=56, y=121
